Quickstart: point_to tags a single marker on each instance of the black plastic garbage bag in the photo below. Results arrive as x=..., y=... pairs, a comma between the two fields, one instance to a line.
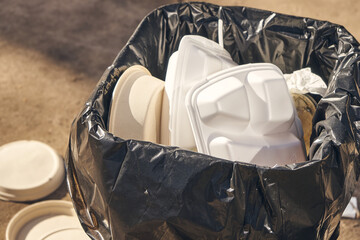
x=127, y=189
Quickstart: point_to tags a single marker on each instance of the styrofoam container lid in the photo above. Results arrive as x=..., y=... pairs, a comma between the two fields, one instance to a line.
x=54, y=219
x=245, y=113
x=196, y=58
x=29, y=170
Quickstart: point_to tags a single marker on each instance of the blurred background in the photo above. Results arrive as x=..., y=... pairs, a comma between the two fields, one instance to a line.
x=52, y=53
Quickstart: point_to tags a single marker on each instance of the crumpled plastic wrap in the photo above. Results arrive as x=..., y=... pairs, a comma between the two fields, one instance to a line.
x=128, y=189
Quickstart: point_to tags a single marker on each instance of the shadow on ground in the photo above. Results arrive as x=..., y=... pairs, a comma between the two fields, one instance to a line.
x=83, y=35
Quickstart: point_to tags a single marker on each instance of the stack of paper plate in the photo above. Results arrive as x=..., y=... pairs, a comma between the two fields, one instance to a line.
x=55, y=220
x=29, y=170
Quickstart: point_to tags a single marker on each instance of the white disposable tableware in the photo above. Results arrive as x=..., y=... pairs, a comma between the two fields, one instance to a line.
x=245, y=113
x=29, y=170
x=48, y=220
x=196, y=58
x=136, y=107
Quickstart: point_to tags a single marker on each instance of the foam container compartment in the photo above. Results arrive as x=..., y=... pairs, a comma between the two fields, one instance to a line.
x=196, y=58
x=246, y=114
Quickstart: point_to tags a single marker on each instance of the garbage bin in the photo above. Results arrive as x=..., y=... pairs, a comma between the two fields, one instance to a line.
x=128, y=189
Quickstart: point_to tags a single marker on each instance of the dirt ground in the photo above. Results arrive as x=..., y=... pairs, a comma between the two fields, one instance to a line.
x=52, y=53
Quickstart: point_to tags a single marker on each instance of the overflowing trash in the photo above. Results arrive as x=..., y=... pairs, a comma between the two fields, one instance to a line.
x=241, y=113
x=154, y=184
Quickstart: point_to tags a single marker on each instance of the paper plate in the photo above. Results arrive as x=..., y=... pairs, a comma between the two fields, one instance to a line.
x=55, y=220
x=29, y=170
x=136, y=107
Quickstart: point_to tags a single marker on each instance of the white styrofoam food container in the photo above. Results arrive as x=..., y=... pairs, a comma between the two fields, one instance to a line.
x=196, y=58
x=245, y=113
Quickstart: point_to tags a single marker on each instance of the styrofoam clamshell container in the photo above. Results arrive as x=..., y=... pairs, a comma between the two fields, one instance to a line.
x=196, y=58
x=245, y=113
x=29, y=170
x=53, y=219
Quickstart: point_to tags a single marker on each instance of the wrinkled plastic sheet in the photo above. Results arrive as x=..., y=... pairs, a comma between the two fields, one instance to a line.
x=128, y=189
